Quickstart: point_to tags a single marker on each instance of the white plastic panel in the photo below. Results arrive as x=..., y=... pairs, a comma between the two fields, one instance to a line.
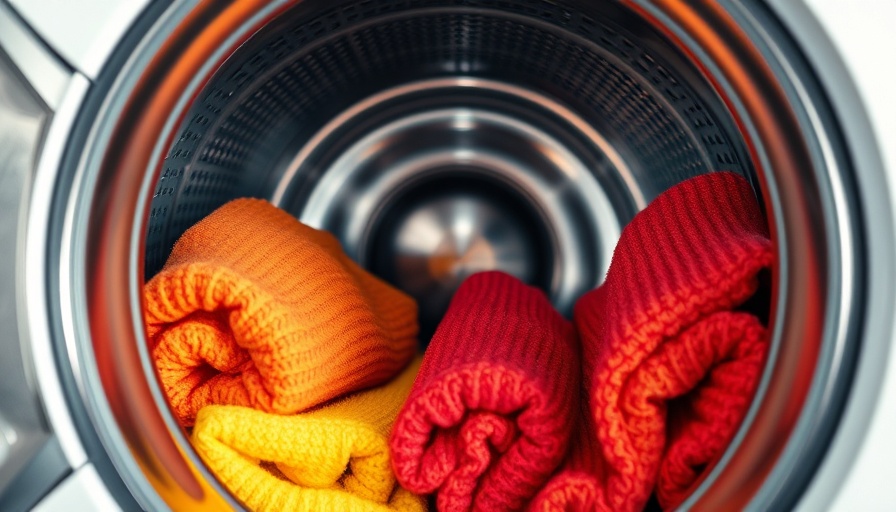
x=84, y=33
x=82, y=490
x=863, y=34
x=44, y=72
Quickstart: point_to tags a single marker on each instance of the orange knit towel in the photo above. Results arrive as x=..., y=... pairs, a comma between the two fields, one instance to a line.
x=254, y=308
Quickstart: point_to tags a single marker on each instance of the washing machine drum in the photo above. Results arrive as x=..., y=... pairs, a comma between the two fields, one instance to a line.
x=485, y=134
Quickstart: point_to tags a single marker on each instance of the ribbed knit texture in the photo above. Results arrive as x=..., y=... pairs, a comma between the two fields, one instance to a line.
x=665, y=326
x=489, y=418
x=254, y=308
x=334, y=458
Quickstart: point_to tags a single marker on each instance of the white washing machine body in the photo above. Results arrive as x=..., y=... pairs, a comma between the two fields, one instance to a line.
x=59, y=48
x=854, y=474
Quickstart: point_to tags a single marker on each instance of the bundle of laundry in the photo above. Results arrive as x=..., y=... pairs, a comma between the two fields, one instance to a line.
x=296, y=369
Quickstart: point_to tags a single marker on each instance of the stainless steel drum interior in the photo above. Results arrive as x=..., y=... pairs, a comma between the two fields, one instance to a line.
x=485, y=134
x=345, y=115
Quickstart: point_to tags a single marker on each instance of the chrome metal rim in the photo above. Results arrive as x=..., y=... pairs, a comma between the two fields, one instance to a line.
x=804, y=178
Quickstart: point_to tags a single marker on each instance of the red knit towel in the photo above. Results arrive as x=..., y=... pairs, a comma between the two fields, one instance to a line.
x=669, y=362
x=489, y=417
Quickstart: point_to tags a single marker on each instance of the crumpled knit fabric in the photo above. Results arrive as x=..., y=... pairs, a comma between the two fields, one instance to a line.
x=332, y=458
x=254, y=308
x=489, y=417
x=671, y=357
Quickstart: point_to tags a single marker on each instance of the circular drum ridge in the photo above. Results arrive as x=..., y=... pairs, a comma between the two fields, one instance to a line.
x=486, y=142
x=310, y=104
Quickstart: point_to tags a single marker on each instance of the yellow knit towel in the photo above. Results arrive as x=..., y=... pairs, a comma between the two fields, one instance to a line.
x=332, y=458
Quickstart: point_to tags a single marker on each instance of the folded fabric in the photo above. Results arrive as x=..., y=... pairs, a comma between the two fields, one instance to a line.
x=332, y=458
x=671, y=356
x=489, y=418
x=254, y=308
